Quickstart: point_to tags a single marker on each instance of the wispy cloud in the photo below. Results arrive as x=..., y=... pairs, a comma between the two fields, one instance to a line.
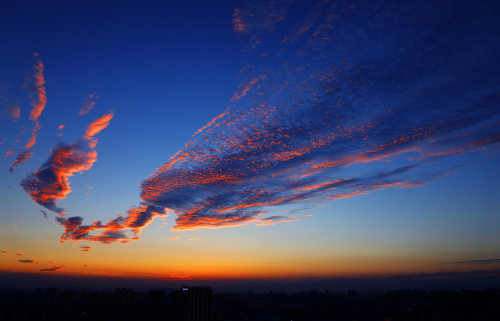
x=28, y=261
x=483, y=261
x=88, y=104
x=38, y=99
x=21, y=158
x=50, y=183
x=53, y=269
x=256, y=17
x=318, y=129
x=8, y=252
x=14, y=112
x=9, y=153
x=175, y=277
x=85, y=248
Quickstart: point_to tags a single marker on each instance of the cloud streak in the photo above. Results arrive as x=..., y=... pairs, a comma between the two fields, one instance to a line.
x=53, y=269
x=484, y=261
x=38, y=99
x=88, y=104
x=8, y=252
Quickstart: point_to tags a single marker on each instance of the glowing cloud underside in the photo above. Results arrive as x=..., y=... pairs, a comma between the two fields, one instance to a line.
x=341, y=94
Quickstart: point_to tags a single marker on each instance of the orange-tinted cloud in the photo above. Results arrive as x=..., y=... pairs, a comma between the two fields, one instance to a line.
x=8, y=252
x=9, y=153
x=88, y=104
x=85, y=248
x=38, y=98
x=14, y=112
x=256, y=17
x=28, y=261
x=53, y=269
x=122, y=229
x=21, y=158
x=98, y=125
x=50, y=183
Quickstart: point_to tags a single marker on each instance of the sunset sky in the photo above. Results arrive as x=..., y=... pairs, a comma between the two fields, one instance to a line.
x=275, y=139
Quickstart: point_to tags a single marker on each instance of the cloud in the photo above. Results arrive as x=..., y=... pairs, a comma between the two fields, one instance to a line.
x=339, y=110
x=50, y=183
x=484, y=261
x=9, y=153
x=121, y=229
x=337, y=121
x=175, y=277
x=8, y=252
x=28, y=261
x=257, y=19
x=194, y=238
x=44, y=214
x=14, y=112
x=53, y=269
x=174, y=238
x=21, y=158
x=38, y=99
x=88, y=104
x=85, y=248
x=98, y=125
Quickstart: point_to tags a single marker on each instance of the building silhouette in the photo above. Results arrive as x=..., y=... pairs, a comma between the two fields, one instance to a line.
x=192, y=304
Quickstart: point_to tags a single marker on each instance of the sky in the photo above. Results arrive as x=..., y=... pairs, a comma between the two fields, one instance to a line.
x=269, y=140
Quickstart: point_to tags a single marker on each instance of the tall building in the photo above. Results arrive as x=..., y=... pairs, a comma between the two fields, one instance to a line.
x=192, y=304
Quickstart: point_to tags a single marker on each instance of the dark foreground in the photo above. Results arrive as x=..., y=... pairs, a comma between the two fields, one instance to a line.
x=202, y=304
